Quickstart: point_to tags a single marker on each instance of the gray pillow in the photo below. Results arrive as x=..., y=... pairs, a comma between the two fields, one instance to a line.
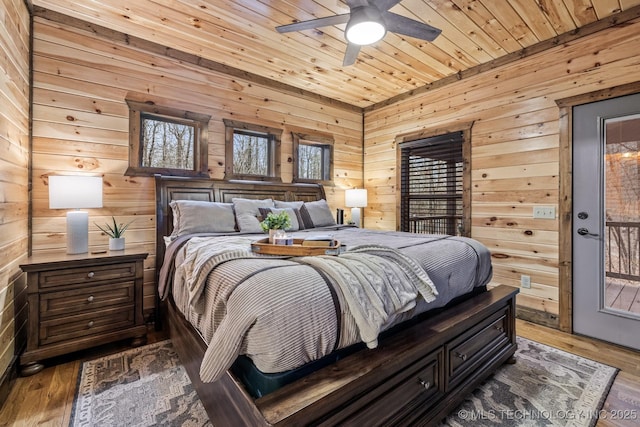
x=320, y=213
x=247, y=213
x=293, y=205
x=195, y=216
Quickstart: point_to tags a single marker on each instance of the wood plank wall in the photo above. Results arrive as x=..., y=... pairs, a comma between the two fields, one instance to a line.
x=14, y=177
x=515, y=149
x=80, y=125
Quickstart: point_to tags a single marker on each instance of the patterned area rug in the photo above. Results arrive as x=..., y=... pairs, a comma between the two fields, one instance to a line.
x=147, y=386
x=545, y=387
x=144, y=386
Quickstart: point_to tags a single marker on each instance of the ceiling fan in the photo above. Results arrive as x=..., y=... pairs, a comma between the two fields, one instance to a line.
x=367, y=22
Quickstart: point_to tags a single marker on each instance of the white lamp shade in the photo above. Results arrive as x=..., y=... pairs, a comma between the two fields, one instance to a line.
x=355, y=198
x=75, y=191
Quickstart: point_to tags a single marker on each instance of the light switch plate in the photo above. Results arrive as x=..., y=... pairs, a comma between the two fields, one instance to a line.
x=544, y=212
x=525, y=281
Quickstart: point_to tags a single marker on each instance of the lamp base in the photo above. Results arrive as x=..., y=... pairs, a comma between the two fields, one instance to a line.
x=77, y=232
x=355, y=216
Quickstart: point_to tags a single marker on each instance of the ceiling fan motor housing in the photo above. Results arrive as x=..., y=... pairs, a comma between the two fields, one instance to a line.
x=366, y=25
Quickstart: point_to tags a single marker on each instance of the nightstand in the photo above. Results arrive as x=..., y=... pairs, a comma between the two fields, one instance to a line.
x=81, y=301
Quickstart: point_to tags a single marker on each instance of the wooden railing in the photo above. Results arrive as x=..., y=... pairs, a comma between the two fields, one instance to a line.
x=623, y=250
x=436, y=224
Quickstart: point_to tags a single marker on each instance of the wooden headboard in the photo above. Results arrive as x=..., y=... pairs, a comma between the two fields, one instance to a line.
x=170, y=188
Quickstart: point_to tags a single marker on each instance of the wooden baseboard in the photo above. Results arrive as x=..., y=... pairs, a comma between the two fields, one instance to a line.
x=536, y=316
x=7, y=380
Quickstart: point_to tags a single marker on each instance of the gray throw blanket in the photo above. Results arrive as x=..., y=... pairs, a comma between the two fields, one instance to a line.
x=378, y=284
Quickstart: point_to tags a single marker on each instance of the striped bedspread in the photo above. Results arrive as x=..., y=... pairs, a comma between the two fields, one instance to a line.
x=285, y=312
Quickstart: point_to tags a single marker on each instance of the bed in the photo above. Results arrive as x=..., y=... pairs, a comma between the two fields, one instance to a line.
x=434, y=345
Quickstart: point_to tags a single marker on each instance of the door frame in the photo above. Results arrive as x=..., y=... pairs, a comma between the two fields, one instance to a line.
x=565, y=204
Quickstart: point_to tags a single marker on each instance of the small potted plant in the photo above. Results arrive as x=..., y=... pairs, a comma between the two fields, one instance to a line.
x=115, y=233
x=275, y=222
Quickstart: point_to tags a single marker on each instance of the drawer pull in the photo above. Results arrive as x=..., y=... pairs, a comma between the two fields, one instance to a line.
x=500, y=328
x=90, y=299
x=90, y=324
x=461, y=356
x=425, y=384
x=91, y=274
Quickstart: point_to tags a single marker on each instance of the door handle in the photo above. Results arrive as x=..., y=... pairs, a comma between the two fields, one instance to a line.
x=584, y=232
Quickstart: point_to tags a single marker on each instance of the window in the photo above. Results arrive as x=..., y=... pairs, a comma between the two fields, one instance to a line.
x=312, y=158
x=167, y=141
x=432, y=185
x=252, y=151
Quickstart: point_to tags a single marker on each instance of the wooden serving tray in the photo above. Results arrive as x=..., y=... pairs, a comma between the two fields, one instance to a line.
x=264, y=247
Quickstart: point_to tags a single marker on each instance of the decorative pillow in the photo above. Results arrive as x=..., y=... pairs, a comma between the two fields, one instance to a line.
x=320, y=213
x=305, y=219
x=293, y=215
x=294, y=205
x=195, y=216
x=247, y=212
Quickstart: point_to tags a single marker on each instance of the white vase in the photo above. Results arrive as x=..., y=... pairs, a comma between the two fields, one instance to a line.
x=116, y=243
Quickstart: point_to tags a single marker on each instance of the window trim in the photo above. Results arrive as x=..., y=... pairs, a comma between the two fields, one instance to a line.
x=312, y=139
x=200, y=122
x=275, y=136
x=465, y=128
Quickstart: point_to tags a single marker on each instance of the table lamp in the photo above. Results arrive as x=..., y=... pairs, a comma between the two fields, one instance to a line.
x=76, y=192
x=355, y=199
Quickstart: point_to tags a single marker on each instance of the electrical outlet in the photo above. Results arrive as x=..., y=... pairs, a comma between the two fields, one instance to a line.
x=544, y=212
x=525, y=281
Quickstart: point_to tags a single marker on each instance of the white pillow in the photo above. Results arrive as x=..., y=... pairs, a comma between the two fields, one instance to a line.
x=195, y=216
x=247, y=213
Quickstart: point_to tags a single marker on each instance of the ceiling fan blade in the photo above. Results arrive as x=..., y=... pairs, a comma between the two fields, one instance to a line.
x=351, y=54
x=314, y=23
x=384, y=5
x=356, y=3
x=409, y=27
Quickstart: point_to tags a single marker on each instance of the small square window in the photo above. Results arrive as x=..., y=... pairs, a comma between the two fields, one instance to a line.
x=252, y=152
x=313, y=158
x=166, y=141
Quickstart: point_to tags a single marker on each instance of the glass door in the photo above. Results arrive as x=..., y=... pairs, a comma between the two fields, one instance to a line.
x=606, y=220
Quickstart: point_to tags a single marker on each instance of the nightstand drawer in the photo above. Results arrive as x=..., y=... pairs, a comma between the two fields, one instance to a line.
x=70, y=276
x=80, y=325
x=64, y=303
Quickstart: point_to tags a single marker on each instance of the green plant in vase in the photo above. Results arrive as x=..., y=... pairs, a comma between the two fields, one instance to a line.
x=275, y=222
x=115, y=233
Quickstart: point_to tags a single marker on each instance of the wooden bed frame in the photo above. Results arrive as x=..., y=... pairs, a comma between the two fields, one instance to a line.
x=415, y=377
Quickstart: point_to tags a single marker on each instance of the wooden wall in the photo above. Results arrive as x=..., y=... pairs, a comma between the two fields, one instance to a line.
x=515, y=149
x=80, y=126
x=14, y=177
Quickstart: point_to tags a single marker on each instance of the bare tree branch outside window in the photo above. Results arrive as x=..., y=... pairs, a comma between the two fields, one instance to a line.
x=310, y=162
x=250, y=153
x=167, y=144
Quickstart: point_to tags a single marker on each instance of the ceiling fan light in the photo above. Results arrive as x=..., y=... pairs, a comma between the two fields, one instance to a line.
x=365, y=33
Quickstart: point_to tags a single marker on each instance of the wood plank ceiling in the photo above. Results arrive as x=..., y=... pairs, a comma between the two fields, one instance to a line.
x=241, y=34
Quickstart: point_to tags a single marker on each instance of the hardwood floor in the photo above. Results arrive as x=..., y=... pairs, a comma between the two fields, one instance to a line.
x=45, y=399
